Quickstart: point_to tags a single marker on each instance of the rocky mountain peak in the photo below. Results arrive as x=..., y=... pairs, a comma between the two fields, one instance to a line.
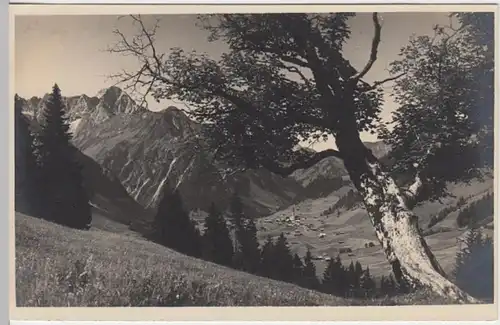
x=107, y=103
x=114, y=100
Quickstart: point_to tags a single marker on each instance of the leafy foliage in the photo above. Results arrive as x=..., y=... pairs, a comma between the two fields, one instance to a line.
x=443, y=127
x=272, y=90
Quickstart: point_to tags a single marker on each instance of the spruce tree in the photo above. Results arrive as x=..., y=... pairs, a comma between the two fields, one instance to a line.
x=236, y=222
x=26, y=169
x=250, y=249
x=173, y=227
x=64, y=196
x=310, y=279
x=297, y=270
x=334, y=278
x=330, y=278
x=246, y=246
x=383, y=285
x=358, y=271
x=218, y=246
x=476, y=261
x=283, y=259
x=391, y=285
x=367, y=283
x=351, y=278
x=267, y=259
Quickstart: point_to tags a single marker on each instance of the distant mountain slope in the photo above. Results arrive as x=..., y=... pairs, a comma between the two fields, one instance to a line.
x=327, y=175
x=146, y=150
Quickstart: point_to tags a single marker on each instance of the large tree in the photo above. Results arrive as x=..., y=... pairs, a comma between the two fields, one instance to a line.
x=63, y=194
x=285, y=79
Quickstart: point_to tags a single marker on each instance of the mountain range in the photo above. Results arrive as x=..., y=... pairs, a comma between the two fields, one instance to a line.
x=136, y=151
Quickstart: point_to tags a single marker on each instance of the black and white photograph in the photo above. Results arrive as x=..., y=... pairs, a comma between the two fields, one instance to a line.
x=232, y=159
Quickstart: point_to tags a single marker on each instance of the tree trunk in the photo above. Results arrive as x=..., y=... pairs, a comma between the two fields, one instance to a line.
x=396, y=227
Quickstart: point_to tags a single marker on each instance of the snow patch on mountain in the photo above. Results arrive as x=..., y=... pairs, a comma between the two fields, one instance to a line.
x=73, y=126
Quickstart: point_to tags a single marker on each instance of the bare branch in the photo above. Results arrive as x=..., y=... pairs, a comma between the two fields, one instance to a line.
x=381, y=82
x=374, y=50
x=143, y=49
x=300, y=163
x=297, y=71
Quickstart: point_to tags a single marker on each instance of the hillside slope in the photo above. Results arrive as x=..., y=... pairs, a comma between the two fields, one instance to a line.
x=59, y=266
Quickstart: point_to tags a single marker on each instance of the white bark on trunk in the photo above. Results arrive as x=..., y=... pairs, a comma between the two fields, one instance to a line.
x=396, y=226
x=397, y=230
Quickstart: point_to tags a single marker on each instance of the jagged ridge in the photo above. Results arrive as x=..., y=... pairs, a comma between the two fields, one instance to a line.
x=146, y=149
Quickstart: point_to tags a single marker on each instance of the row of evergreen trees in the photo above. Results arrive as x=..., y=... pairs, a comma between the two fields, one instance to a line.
x=48, y=177
x=348, y=201
x=476, y=211
x=234, y=244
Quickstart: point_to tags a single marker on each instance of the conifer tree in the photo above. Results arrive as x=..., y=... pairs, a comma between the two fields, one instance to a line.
x=218, y=246
x=298, y=270
x=283, y=263
x=246, y=247
x=367, y=283
x=236, y=217
x=358, y=273
x=267, y=259
x=251, y=252
x=476, y=261
x=391, y=285
x=174, y=229
x=334, y=278
x=65, y=200
x=310, y=279
x=26, y=169
x=351, y=277
x=383, y=285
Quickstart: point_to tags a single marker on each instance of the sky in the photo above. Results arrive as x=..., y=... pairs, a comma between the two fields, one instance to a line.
x=71, y=50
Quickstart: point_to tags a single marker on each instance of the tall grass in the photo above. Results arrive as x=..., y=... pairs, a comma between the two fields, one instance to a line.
x=58, y=266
